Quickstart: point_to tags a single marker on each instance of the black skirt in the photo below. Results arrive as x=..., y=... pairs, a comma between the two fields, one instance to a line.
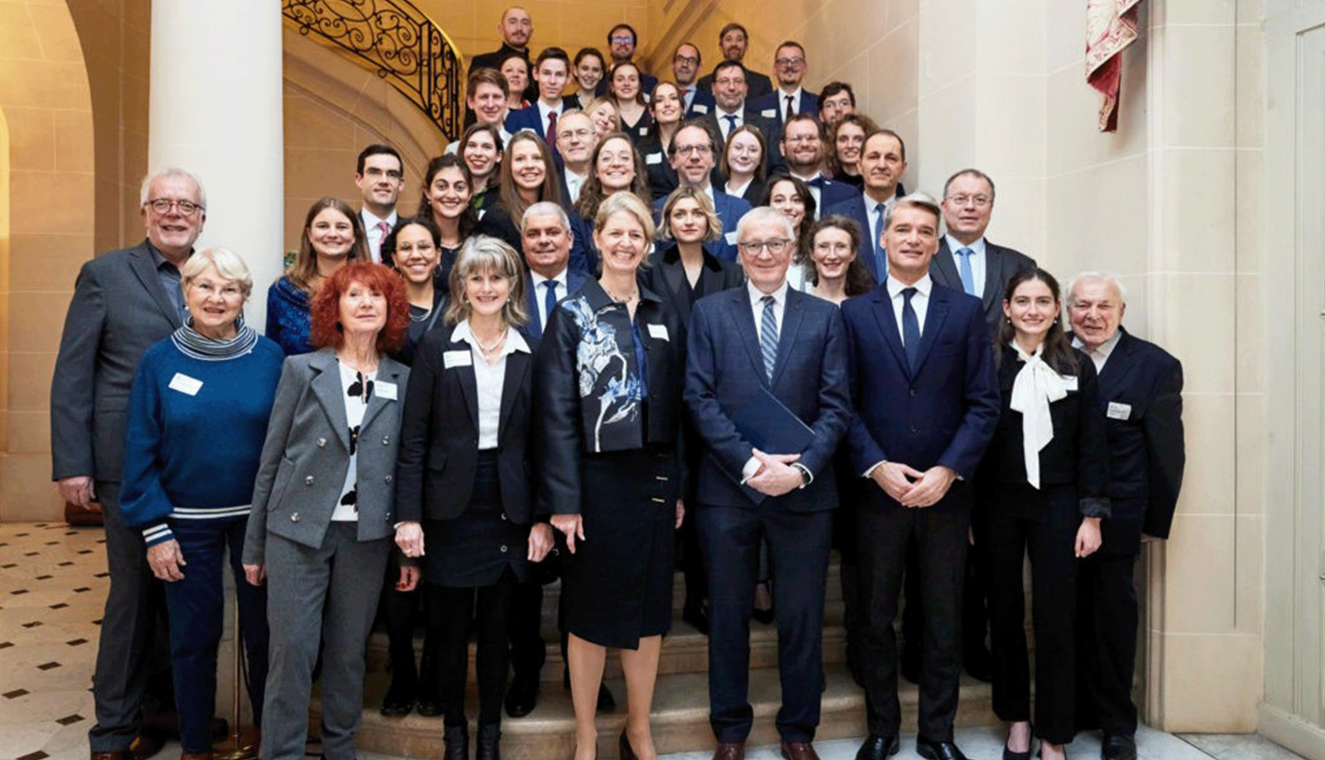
x=474, y=549
x=617, y=587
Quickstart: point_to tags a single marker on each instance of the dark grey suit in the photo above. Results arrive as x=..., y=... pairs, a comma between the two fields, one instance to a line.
x=318, y=569
x=119, y=309
x=1000, y=265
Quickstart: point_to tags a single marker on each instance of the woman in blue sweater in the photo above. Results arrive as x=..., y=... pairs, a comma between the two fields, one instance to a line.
x=197, y=422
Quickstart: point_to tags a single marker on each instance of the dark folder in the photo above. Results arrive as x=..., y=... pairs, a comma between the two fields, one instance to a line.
x=770, y=426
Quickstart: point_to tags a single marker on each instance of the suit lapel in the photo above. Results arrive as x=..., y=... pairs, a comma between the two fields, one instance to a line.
x=327, y=388
x=995, y=277
x=944, y=271
x=1118, y=368
x=388, y=371
x=934, y=317
x=145, y=269
x=745, y=325
x=787, y=333
x=674, y=273
x=517, y=364
x=883, y=314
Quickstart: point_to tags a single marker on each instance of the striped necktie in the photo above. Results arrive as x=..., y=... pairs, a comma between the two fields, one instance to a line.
x=768, y=336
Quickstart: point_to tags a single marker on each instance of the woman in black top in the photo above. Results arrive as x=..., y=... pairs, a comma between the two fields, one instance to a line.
x=668, y=109
x=447, y=196
x=615, y=166
x=627, y=92
x=1043, y=485
x=481, y=148
x=846, y=139
x=463, y=494
x=608, y=390
x=525, y=178
x=742, y=165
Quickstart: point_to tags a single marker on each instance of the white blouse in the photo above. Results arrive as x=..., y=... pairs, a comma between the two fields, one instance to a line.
x=356, y=403
x=489, y=379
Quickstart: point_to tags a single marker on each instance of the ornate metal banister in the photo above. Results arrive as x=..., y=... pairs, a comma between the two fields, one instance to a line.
x=397, y=40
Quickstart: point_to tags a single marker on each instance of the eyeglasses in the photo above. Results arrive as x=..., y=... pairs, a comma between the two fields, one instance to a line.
x=164, y=205
x=729, y=82
x=774, y=247
x=622, y=39
x=690, y=59
x=700, y=150
x=980, y=201
x=207, y=290
x=376, y=173
x=583, y=134
x=789, y=61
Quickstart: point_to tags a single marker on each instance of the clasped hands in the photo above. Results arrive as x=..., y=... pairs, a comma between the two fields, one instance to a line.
x=911, y=487
x=775, y=475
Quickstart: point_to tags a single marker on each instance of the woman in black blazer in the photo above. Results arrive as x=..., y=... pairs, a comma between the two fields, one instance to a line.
x=1043, y=485
x=463, y=487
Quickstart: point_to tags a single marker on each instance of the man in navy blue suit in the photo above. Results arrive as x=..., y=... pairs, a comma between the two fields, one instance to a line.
x=926, y=399
x=692, y=153
x=685, y=67
x=621, y=43
x=803, y=141
x=789, y=98
x=1140, y=388
x=882, y=163
x=552, y=73
x=743, y=343
x=734, y=40
x=732, y=109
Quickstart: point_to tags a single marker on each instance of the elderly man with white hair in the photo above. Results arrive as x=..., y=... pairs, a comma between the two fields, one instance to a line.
x=766, y=383
x=1140, y=394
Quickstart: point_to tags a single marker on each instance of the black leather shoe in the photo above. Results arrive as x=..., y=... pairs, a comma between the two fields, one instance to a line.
x=606, y=702
x=938, y=750
x=398, y=701
x=522, y=696
x=1118, y=747
x=429, y=707
x=489, y=742
x=878, y=747
x=457, y=742
x=1010, y=755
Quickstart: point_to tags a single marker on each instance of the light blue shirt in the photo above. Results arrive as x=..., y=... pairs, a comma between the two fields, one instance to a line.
x=978, y=261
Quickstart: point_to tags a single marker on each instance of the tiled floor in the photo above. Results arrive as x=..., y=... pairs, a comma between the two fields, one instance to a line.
x=53, y=586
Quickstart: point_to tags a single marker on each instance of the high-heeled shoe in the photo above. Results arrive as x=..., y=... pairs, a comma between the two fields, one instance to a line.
x=627, y=752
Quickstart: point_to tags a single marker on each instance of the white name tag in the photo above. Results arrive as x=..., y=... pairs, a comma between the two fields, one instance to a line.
x=769, y=113
x=730, y=237
x=1119, y=411
x=1070, y=382
x=185, y=384
x=644, y=131
x=458, y=359
x=659, y=332
x=653, y=159
x=699, y=108
x=386, y=390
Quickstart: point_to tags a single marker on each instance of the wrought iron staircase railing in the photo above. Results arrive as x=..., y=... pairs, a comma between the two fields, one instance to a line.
x=397, y=40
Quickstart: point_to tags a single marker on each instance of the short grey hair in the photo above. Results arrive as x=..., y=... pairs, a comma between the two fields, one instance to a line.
x=915, y=200
x=1104, y=277
x=229, y=265
x=545, y=207
x=170, y=171
x=761, y=214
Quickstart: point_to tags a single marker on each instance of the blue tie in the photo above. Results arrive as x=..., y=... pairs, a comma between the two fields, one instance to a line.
x=731, y=124
x=968, y=277
x=549, y=300
x=880, y=255
x=910, y=329
x=768, y=336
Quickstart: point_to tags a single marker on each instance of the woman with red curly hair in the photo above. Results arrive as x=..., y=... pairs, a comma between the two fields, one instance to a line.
x=320, y=529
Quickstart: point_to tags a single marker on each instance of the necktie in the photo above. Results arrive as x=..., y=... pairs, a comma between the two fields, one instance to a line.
x=731, y=125
x=968, y=277
x=768, y=336
x=910, y=329
x=880, y=255
x=549, y=300
x=791, y=109
x=552, y=130
x=383, y=229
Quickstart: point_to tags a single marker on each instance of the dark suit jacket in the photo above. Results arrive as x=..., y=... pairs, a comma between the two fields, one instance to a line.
x=725, y=370
x=662, y=177
x=773, y=161
x=701, y=104
x=119, y=309
x=944, y=412
x=530, y=118
x=854, y=207
x=666, y=277
x=756, y=84
x=1079, y=452
x=1000, y=265
x=809, y=103
x=730, y=210
x=832, y=193
x=533, y=328
x=1147, y=453
x=439, y=435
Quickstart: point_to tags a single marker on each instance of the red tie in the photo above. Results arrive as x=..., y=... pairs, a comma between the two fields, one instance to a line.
x=385, y=229
x=552, y=130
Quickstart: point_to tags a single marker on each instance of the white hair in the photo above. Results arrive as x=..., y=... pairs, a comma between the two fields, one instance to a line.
x=171, y=171
x=543, y=208
x=1104, y=277
x=229, y=265
x=760, y=214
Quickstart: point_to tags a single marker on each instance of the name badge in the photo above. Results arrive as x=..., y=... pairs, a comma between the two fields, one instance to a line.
x=699, y=108
x=659, y=332
x=385, y=390
x=730, y=237
x=644, y=131
x=185, y=384
x=1070, y=382
x=457, y=359
x=1119, y=411
x=653, y=159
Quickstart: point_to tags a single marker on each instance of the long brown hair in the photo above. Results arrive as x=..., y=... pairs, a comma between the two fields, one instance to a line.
x=304, y=269
x=859, y=280
x=510, y=194
x=591, y=193
x=1057, y=352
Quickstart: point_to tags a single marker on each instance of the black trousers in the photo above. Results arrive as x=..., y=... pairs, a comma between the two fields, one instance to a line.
x=1107, y=620
x=528, y=650
x=1041, y=524
x=451, y=614
x=799, y=545
x=884, y=531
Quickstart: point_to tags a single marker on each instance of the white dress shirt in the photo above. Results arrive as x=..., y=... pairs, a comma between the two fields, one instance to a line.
x=873, y=216
x=540, y=292
x=574, y=183
x=543, y=110
x=979, y=262
x=1100, y=355
x=796, y=98
x=725, y=125
x=815, y=191
x=374, y=233
x=919, y=301
x=738, y=191
x=756, y=296
x=489, y=379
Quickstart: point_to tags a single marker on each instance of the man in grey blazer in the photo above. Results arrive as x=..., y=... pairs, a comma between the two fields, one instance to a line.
x=124, y=301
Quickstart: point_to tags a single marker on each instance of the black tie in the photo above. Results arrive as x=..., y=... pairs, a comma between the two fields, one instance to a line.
x=910, y=329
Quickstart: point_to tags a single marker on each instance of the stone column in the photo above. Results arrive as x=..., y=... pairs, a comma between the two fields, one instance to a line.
x=216, y=110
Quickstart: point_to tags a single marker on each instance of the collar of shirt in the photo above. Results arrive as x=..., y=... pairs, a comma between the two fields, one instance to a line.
x=722, y=115
x=159, y=259
x=559, y=277
x=796, y=96
x=1104, y=349
x=809, y=179
x=544, y=109
x=370, y=221
x=954, y=245
x=738, y=191
x=923, y=286
x=514, y=341
x=779, y=296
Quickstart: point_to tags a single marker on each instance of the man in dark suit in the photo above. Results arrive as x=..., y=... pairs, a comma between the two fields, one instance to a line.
x=575, y=144
x=621, y=42
x=685, y=66
x=516, y=29
x=124, y=301
x=380, y=176
x=766, y=338
x=551, y=73
x=789, y=98
x=926, y=400
x=803, y=141
x=733, y=40
x=731, y=110
x=882, y=163
x=692, y=154
x=1140, y=390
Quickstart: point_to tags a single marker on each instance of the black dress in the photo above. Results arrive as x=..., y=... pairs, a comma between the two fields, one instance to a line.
x=608, y=393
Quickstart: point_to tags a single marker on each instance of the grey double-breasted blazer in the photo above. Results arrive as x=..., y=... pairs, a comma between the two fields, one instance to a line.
x=308, y=447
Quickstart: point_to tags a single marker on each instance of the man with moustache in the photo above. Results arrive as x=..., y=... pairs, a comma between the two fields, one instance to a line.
x=692, y=154
x=789, y=98
x=380, y=176
x=733, y=40
x=731, y=110
x=803, y=142
x=882, y=163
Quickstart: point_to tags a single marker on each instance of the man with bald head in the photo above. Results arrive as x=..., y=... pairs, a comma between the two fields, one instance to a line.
x=1140, y=395
x=516, y=29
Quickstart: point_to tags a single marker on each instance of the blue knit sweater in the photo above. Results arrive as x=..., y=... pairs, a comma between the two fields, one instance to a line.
x=192, y=450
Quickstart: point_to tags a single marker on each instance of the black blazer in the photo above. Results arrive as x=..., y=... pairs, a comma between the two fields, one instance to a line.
x=666, y=277
x=1140, y=401
x=773, y=161
x=1000, y=265
x=439, y=435
x=586, y=386
x=1079, y=451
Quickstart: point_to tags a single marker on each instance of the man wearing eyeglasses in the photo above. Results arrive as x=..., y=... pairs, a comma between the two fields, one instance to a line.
x=769, y=347
x=803, y=142
x=380, y=175
x=692, y=154
x=124, y=301
x=621, y=42
x=789, y=98
x=732, y=110
x=695, y=100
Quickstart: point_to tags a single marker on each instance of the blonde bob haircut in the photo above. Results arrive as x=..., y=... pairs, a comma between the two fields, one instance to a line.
x=482, y=253
x=686, y=192
x=624, y=200
x=228, y=265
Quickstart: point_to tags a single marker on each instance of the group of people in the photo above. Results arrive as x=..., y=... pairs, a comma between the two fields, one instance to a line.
x=693, y=322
